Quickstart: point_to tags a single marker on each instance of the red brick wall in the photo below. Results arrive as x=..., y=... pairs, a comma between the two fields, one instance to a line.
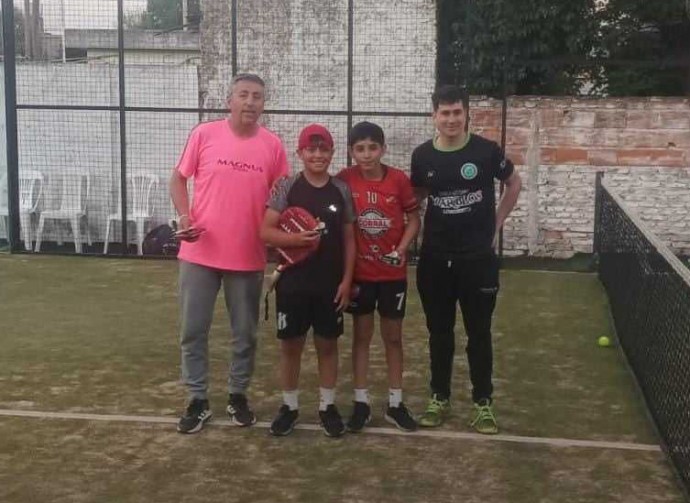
x=643, y=144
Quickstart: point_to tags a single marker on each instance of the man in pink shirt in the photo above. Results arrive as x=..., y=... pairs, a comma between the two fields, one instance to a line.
x=233, y=163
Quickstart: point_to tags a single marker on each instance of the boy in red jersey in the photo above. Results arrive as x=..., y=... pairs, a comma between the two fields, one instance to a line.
x=387, y=222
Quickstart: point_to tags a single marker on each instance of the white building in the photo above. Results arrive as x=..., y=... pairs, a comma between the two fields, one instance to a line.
x=59, y=15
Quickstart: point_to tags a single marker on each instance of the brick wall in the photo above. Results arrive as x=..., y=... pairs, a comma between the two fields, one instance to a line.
x=642, y=144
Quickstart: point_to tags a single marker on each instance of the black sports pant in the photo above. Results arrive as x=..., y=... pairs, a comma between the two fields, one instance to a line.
x=473, y=283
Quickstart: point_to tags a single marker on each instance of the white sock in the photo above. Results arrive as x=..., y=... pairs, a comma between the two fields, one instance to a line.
x=362, y=395
x=327, y=397
x=291, y=399
x=394, y=397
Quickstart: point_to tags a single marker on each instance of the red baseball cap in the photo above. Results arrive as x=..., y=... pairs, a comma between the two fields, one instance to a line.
x=312, y=130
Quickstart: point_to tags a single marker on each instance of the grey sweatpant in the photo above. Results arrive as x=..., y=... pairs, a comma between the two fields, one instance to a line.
x=198, y=290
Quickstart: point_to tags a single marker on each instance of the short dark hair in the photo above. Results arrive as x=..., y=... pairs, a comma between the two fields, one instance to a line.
x=366, y=131
x=250, y=77
x=448, y=94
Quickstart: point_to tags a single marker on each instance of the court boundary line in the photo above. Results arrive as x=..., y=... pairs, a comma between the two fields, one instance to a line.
x=436, y=434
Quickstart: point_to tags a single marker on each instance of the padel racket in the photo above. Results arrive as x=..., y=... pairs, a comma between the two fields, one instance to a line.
x=292, y=220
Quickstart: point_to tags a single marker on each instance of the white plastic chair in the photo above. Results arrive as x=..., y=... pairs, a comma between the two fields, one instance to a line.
x=74, y=197
x=140, y=190
x=30, y=193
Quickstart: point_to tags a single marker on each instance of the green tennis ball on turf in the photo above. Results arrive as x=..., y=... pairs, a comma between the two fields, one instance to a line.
x=604, y=341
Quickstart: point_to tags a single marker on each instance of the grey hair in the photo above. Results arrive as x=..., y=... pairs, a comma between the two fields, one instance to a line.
x=248, y=77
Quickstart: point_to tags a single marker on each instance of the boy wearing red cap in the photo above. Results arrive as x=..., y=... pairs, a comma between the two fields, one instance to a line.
x=313, y=293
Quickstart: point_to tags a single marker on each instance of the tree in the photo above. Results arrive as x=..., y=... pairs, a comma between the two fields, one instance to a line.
x=624, y=48
x=167, y=15
x=529, y=39
x=657, y=33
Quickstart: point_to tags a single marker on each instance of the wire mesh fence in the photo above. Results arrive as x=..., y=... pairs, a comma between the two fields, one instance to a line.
x=105, y=92
x=105, y=100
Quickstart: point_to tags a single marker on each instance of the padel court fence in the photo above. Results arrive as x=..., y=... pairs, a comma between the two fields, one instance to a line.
x=96, y=128
x=649, y=295
x=98, y=111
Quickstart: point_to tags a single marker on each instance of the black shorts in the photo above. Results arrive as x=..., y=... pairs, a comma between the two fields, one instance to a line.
x=389, y=297
x=297, y=312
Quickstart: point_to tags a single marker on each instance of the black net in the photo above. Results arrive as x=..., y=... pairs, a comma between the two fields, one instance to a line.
x=649, y=295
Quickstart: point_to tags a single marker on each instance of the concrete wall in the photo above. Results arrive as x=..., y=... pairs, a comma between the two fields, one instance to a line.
x=300, y=47
x=143, y=57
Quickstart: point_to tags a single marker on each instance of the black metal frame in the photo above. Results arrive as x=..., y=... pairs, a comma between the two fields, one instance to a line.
x=11, y=123
x=12, y=106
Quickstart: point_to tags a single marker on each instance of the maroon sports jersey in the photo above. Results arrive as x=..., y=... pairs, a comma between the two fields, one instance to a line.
x=380, y=207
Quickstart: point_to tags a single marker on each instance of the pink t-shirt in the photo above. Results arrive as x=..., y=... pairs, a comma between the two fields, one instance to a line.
x=233, y=176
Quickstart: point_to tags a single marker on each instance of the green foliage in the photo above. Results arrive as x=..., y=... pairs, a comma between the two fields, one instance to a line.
x=484, y=36
x=159, y=15
x=166, y=15
x=162, y=15
x=564, y=46
x=658, y=32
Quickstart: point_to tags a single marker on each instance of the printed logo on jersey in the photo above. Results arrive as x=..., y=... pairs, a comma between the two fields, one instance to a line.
x=456, y=201
x=469, y=171
x=373, y=222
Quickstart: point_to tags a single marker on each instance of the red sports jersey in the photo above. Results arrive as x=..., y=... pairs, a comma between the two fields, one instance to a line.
x=380, y=207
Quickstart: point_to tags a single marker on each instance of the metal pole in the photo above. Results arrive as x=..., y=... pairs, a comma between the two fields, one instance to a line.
x=504, y=123
x=350, y=70
x=62, y=15
x=123, y=125
x=185, y=12
x=28, y=30
x=596, y=245
x=8, y=34
x=234, y=37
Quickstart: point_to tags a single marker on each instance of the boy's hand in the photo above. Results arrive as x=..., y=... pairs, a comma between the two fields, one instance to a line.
x=394, y=258
x=305, y=238
x=342, y=296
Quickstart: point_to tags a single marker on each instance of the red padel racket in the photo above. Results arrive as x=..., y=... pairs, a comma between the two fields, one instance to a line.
x=292, y=220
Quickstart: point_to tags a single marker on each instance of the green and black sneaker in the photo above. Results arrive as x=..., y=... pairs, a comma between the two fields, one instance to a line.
x=436, y=412
x=484, y=420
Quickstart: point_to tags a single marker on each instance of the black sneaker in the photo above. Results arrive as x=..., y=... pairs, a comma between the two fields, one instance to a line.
x=401, y=418
x=331, y=422
x=197, y=413
x=361, y=415
x=284, y=422
x=239, y=411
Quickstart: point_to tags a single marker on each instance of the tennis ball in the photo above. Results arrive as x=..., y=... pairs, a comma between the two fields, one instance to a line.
x=604, y=341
